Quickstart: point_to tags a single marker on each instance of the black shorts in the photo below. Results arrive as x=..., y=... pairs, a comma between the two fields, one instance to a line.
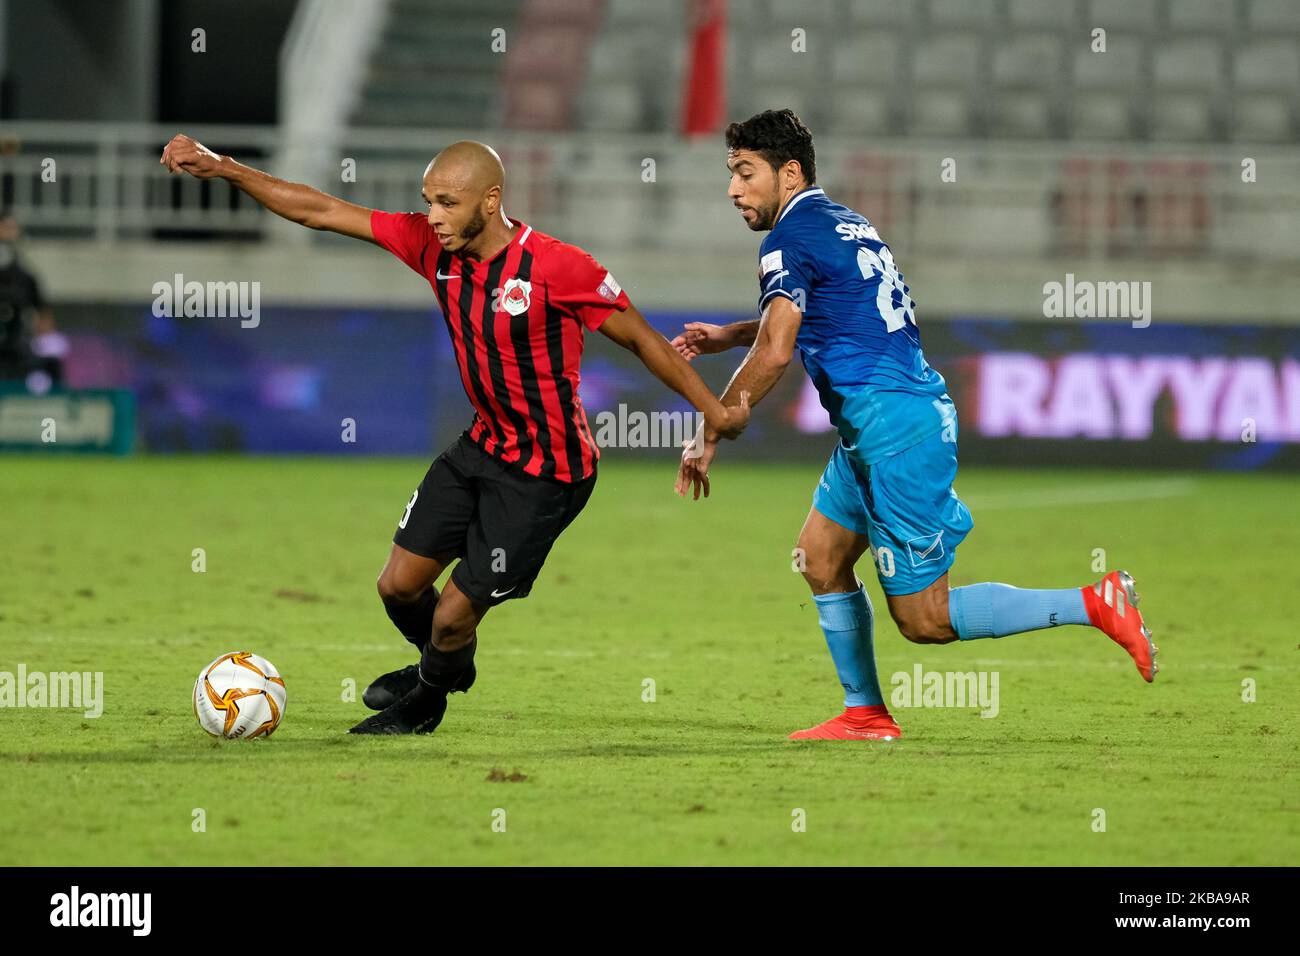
x=499, y=520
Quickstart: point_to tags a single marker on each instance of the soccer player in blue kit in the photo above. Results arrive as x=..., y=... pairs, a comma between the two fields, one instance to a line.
x=830, y=288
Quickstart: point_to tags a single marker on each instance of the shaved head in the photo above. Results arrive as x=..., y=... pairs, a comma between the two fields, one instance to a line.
x=471, y=166
x=463, y=186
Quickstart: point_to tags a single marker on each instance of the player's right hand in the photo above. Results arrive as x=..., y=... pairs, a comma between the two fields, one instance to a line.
x=733, y=422
x=693, y=472
x=701, y=338
x=184, y=154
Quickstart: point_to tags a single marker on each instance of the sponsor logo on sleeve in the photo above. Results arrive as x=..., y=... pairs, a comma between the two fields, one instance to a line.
x=609, y=289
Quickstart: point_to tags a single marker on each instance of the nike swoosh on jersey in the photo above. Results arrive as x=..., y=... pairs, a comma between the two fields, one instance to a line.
x=503, y=593
x=441, y=276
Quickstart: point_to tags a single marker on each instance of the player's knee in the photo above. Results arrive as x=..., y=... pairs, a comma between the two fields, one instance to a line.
x=393, y=588
x=823, y=573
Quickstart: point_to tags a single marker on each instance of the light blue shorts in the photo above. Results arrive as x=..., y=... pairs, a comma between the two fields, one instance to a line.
x=905, y=505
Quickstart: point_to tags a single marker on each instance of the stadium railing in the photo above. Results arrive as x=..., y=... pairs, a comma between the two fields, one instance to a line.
x=978, y=200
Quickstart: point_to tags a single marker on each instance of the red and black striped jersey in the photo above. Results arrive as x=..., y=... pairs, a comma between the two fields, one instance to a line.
x=516, y=322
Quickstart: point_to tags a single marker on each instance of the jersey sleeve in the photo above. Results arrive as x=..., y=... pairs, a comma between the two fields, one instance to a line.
x=582, y=286
x=786, y=269
x=406, y=235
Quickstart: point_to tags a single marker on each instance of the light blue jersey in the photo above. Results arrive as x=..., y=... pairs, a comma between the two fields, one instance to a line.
x=858, y=339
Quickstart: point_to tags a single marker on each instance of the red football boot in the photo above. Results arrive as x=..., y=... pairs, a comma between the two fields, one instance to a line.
x=1112, y=605
x=856, y=723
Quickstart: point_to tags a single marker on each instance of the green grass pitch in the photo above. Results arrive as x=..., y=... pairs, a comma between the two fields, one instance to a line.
x=701, y=598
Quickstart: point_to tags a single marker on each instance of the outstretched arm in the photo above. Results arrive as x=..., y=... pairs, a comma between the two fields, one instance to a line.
x=762, y=368
x=293, y=201
x=630, y=330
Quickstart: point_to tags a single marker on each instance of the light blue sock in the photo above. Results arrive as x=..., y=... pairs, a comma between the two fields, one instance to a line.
x=846, y=620
x=995, y=610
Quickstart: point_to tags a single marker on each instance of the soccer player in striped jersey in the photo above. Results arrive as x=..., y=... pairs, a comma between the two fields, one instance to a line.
x=517, y=304
x=830, y=288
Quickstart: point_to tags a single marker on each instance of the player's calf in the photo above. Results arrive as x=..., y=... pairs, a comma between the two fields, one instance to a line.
x=922, y=617
x=411, y=614
x=406, y=588
x=455, y=622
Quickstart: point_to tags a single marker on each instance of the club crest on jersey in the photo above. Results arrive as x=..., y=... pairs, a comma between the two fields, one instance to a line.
x=516, y=296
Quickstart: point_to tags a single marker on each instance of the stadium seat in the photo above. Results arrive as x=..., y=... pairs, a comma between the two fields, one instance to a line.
x=857, y=111
x=610, y=56
x=1215, y=17
x=1028, y=61
x=1122, y=16
x=1263, y=118
x=947, y=59
x=547, y=51
x=1119, y=68
x=1101, y=115
x=1195, y=64
x=1021, y=114
x=819, y=19
x=615, y=107
x=873, y=56
x=648, y=15
x=1034, y=14
x=772, y=57
x=778, y=96
x=866, y=14
x=1184, y=117
x=1275, y=16
x=1268, y=65
x=539, y=104
x=946, y=14
x=940, y=113
x=582, y=13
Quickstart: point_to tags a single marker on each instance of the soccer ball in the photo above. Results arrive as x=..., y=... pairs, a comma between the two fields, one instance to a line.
x=239, y=695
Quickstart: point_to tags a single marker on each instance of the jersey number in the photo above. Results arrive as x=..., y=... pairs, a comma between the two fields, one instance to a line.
x=871, y=263
x=884, y=560
x=409, y=505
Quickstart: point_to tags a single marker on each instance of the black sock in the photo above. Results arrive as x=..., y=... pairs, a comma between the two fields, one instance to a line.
x=448, y=670
x=415, y=621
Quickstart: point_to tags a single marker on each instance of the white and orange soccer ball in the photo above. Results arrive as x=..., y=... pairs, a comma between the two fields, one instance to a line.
x=239, y=695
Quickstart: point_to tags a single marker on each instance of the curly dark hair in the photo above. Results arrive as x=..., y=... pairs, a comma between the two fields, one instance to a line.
x=778, y=136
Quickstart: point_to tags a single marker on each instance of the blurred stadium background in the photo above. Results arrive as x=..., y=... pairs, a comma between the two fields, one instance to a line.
x=1169, y=158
